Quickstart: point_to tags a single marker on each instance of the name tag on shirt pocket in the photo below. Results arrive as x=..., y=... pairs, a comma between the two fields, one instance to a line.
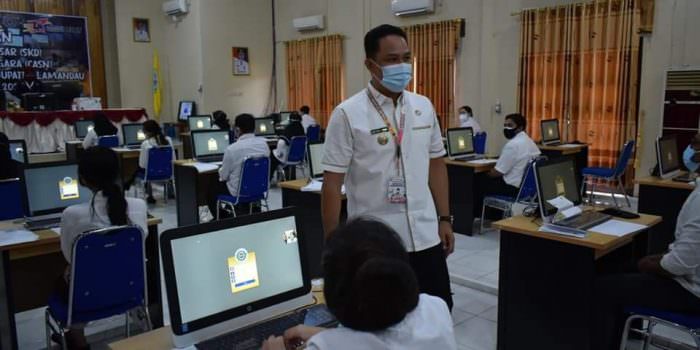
x=379, y=131
x=424, y=127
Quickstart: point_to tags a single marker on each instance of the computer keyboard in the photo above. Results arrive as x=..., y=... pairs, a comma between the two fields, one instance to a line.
x=586, y=220
x=253, y=337
x=43, y=223
x=685, y=178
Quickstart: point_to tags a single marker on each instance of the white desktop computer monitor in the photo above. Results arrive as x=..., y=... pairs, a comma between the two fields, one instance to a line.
x=264, y=127
x=185, y=110
x=52, y=187
x=82, y=127
x=550, y=131
x=554, y=178
x=460, y=142
x=133, y=134
x=209, y=143
x=18, y=151
x=315, y=153
x=199, y=122
x=667, y=157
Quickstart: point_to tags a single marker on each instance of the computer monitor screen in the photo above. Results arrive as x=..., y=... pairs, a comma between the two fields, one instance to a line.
x=39, y=101
x=199, y=122
x=232, y=268
x=209, y=142
x=185, y=110
x=133, y=134
x=556, y=178
x=667, y=156
x=315, y=158
x=18, y=151
x=82, y=127
x=50, y=188
x=284, y=117
x=264, y=127
x=460, y=141
x=550, y=131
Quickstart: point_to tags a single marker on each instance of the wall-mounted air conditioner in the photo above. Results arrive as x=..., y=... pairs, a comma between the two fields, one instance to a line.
x=175, y=7
x=412, y=7
x=308, y=23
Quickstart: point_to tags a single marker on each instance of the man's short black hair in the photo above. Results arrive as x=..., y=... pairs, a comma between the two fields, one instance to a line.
x=245, y=122
x=368, y=282
x=518, y=119
x=373, y=36
x=466, y=108
x=305, y=109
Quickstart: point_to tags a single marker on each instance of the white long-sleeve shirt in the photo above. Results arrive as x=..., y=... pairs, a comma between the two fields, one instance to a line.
x=683, y=257
x=248, y=145
x=148, y=144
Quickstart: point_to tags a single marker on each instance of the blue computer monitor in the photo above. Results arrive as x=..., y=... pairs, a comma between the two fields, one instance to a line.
x=51, y=187
x=18, y=151
x=82, y=127
x=133, y=134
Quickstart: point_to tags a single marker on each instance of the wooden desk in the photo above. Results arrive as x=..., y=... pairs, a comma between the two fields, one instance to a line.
x=161, y=338
x=29, y=271
x=464, y=178
x=545, y=289
x=35, y=158
x=665, y=198
x=308, y=205
x=192, y=188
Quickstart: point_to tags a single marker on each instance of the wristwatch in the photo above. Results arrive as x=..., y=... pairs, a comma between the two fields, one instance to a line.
x=448, y=218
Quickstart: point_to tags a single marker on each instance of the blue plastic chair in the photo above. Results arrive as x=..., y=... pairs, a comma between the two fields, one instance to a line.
x=108, y=141
x=108, y=277
x=480, y=143
x=296, y=154
x=253, y=186
x=12, y=203
x=527, y=194
x=689, y=324
x=610, y=175
x=159, y=168
x=313, y=133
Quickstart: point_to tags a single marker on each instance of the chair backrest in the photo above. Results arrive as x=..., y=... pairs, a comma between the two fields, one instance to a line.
x=170, y=130
x=11, y=205
x=313, y=133
x=480, y=143
x=625, y=155
x=108, y=141
x=528, y=186
x=255, y=178
x=108, y=271
x=297, y=150
x=160, y=163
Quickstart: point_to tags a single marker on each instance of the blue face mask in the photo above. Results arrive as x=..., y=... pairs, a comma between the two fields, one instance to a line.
x=396, y=77
x=688, y=159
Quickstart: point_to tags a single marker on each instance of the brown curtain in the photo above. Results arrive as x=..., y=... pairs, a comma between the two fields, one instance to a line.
x=86, y=8
x=315, y=75
x=579, y=64
x=434, y=47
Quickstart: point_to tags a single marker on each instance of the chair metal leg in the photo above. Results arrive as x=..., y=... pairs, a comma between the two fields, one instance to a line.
x=483, y=212
x=48, y=328
x=621, y=185
x=583, y=186
x=149, y=325
x=612, y=193
x=127, y=324
x=218, y=209
x=591, y=197
x=64, y=342
x=648, y=335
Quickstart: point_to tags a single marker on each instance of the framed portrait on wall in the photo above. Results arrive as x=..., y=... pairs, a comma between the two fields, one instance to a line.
x=142, y=32
x=241, y=61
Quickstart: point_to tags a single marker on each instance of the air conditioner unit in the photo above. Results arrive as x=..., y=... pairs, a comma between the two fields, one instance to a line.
x=308, y=23
x=412, y=7
x=175, y=7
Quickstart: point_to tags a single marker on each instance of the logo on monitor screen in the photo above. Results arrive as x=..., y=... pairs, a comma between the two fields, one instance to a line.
x=200, y=124
x=212, y=145
x=461, y=143
x=140, y=135
x=68, y=188
x=263, y=128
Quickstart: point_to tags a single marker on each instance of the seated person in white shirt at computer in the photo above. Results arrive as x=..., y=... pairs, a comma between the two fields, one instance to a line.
x=220, y=121
x=667, y=282
x=515, y=156
x=97, y=170
x=294, y=128
x=306, y=119
x=101, y=126
x=247, y=145
x=373, y=292
x=466, y=119
x=154, y=138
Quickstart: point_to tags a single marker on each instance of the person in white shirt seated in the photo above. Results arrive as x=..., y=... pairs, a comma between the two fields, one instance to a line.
x=306, y=119
x=154, y=138
x=668, y=282
x=507, y=175
x=247, y=145
x=294, y=128
x=97, y=170
x=370, y=287
x=467, y=120
x=101, y=127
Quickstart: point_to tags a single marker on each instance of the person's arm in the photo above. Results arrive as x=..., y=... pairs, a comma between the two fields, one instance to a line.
x=652, y=265
x=143, y=155
x=439, y=188
x=505, y=162
x=683, y=257
x=227, y=164
x=89, y=140
x=331, y=201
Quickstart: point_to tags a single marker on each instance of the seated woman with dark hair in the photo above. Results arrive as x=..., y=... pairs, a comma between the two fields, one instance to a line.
x=373, y=292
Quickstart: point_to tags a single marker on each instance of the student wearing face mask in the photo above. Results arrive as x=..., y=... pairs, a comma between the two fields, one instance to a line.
x=691, y=155
x=506, y=176
x=467, y=120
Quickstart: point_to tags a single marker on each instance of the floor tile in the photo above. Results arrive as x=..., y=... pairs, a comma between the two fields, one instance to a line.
x=490, y=314
x=477, y=334
x=472, y=301
x=459, y=316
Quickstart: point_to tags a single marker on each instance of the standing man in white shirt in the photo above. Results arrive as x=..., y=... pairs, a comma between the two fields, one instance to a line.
x=247, y=145
x=666, y=282
x=306, y=119
x=385, y=145
x=467, y=120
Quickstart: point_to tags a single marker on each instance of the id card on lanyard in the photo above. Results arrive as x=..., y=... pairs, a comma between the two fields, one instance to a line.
x=396, y=187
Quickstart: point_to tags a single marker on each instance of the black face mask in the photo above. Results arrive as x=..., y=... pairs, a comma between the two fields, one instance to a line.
x=509, y=133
